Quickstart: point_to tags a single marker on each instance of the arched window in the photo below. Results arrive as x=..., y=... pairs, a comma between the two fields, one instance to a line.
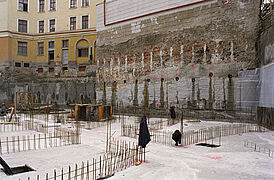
x=82, y=51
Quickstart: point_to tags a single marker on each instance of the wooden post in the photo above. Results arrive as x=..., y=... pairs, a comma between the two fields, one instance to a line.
x=82, y=171
x=93, y=170
x=18, y=143
x=34, y=142
x=7, y=145
x=39, y=143
x=87, y=177
x=109, y=135
x=105, y=164
x=45, y=141
x=13, y=144
x=62, y=174
x=144, y=154
x=107, y=139
x=69, y=173
x=100, y=165
x=75, y=173
x=54, y=174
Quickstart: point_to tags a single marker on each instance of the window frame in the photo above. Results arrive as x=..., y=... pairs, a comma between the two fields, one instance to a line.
x=71, y=5
x=75, y=23
x=22, y=47
x=51, y=49
x=18, y=5
x=39, y=48
x=86, y=54
x=27, y=26
x=53, y=45
x=44, y=9
x=65, y=47
x=38, y=26
x=87, y=21
x=84, y=3
x=49, y=5
x=50, y=24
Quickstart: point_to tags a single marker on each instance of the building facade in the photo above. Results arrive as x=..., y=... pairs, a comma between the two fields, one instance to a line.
x=47, y=40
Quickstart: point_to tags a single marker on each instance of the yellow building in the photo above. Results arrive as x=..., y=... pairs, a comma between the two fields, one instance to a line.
x=48, y=37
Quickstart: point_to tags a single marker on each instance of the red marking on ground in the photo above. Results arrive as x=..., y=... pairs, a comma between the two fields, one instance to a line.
x=193, y=65
x=193, y=73
x=177, y=70
x=210, y=67
x=229, y=70
x=148, y=72
x=163, y=71
x=213, y=157
x=162, y=75
x=229, y=60
x=176, y=74
x=175, y=62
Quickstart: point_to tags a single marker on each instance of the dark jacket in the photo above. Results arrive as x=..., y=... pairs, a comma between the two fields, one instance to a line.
x=144, y=136
x=172, y=113
x=176, y=136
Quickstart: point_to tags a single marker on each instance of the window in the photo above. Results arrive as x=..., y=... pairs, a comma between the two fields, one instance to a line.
x=22, y=26
x=83, y=52
x=23, y=5
x=51, y=69
x=40, y=49
x=73, y=3
x=41, y=5
x=40, y=70
x=41, y=27
x=52, y=25
x=82, y=68
x=51, y=45
x=85, y=3
x=22, y=48
x=17, y=64
x=84, y=22
x=72, y=23
x=65, y=43
x=51, y=55
x=52, y=5
x=26, y=64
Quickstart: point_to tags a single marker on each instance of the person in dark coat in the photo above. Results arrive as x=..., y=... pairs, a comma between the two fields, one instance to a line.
x=144, y=136
x=172, y=112
x=176, y=136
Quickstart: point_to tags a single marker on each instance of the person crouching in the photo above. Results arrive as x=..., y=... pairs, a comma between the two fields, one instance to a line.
x=176, y=136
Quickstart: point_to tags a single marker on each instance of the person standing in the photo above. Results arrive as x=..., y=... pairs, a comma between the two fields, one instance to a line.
x=144, y=135
x=172, y=113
